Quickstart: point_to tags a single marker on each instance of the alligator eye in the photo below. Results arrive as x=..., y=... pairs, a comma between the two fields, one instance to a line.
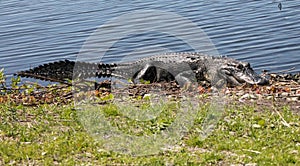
x=240, y=66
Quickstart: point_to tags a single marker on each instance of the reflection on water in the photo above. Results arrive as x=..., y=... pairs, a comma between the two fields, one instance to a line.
x=35, y=32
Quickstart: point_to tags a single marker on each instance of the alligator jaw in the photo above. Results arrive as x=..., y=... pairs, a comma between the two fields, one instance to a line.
x=250, y=77
x=237, y=73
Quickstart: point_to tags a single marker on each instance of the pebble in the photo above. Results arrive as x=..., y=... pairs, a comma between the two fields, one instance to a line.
x=292, y=99
x=147, y=95
x=256, y=126
x=284, y=94
x=247, y=96
x=240, y=93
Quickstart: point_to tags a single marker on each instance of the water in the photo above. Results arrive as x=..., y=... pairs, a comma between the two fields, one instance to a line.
x=40, y=31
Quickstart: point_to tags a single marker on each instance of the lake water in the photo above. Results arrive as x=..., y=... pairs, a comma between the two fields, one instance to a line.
x=40, y=31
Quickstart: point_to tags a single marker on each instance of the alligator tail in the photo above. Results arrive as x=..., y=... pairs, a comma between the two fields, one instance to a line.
x=68, y=70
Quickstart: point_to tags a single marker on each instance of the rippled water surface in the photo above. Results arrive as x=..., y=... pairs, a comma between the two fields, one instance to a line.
x=38, y=31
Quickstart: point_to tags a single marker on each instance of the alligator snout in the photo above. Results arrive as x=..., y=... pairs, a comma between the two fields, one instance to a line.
x=262, y=81
x=238, y=73
x=250, y=77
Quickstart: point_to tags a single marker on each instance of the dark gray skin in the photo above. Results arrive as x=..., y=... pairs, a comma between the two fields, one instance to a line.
x=237, y=73
x=180, y=67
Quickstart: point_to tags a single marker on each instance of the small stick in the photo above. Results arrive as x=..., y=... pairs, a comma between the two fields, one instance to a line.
x=282, y=119
x=254, y=151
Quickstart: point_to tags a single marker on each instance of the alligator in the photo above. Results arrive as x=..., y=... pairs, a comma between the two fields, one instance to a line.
x=179, y=67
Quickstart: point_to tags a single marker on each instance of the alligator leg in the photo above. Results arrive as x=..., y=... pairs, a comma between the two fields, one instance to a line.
x=186, y=78
x=153, y=73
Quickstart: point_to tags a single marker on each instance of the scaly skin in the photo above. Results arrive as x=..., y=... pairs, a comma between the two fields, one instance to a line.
x=181, y=67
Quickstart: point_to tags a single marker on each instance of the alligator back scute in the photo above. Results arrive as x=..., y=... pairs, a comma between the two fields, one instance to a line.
x=84, y=70
x=57, y=71
x=62, y=70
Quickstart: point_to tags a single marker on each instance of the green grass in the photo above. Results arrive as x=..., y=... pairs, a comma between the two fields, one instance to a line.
x=50, y=134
